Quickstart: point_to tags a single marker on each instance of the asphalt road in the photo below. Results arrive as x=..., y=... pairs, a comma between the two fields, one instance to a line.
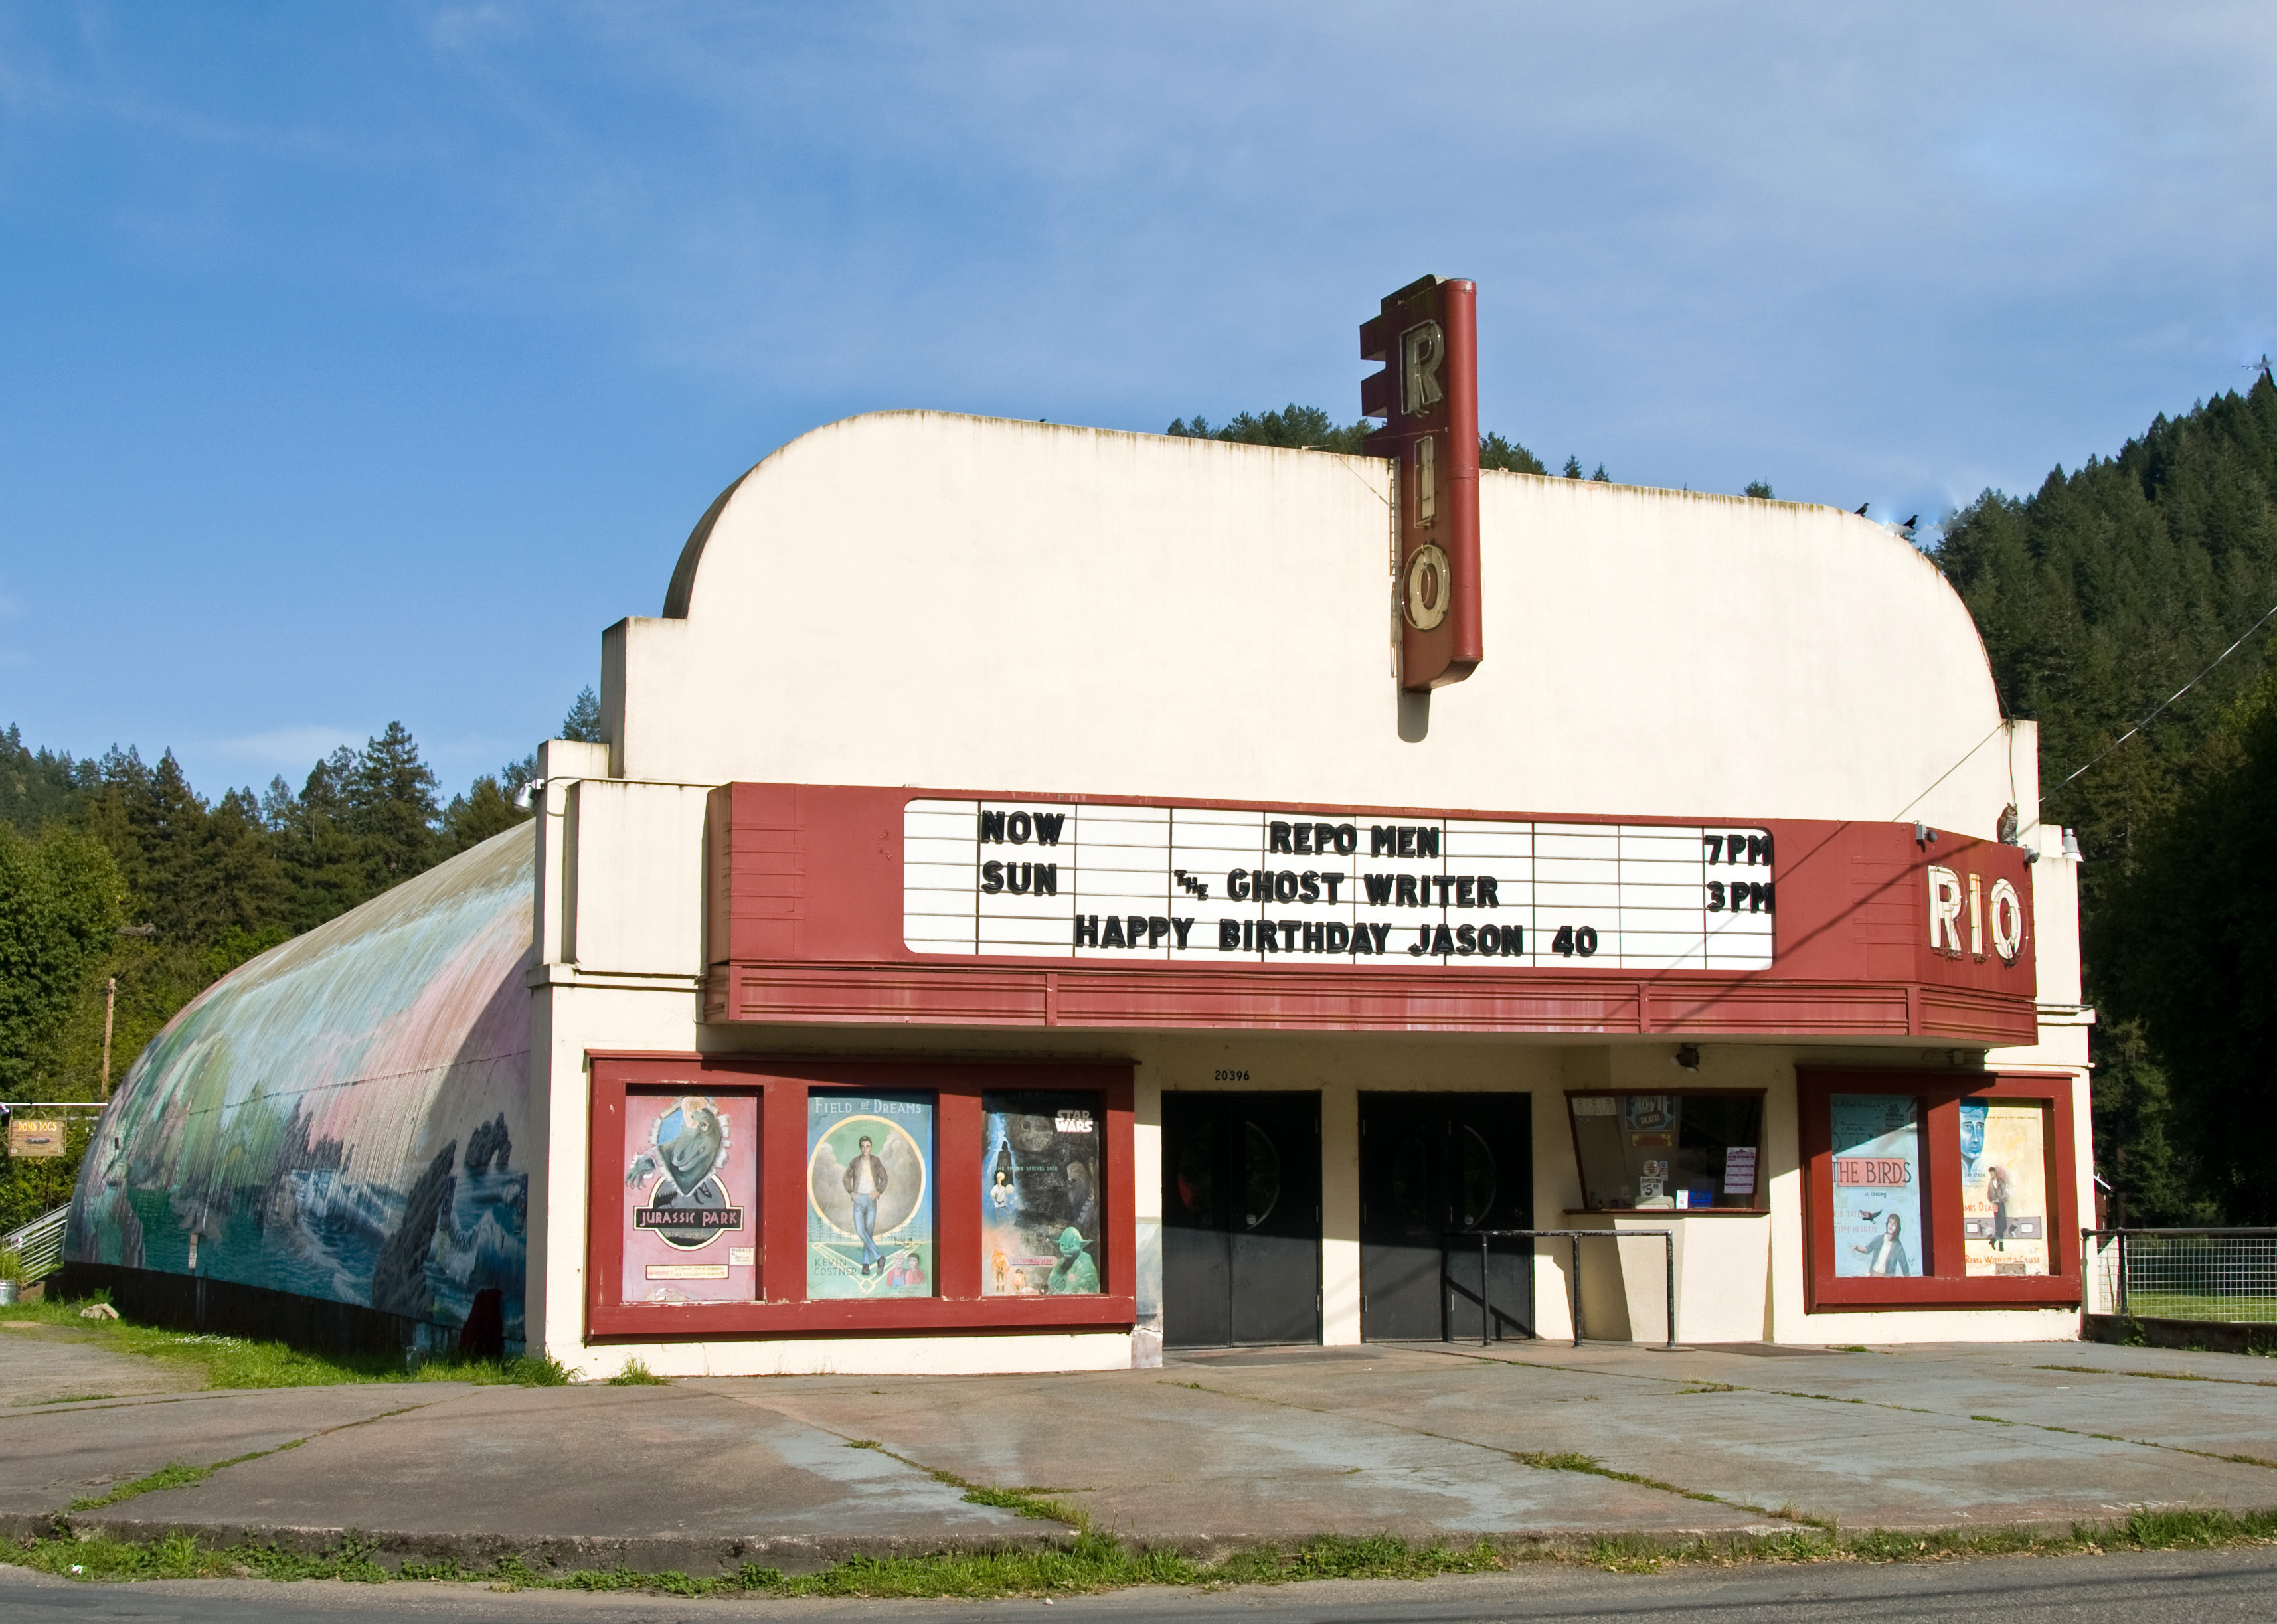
x=2223, y=1587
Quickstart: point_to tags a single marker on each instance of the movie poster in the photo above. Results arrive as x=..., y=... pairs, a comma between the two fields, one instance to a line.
x=1040, y=1205
x=2004, y=1186
x=692, y=1212
x=1878, y=1230
x=869, y=1195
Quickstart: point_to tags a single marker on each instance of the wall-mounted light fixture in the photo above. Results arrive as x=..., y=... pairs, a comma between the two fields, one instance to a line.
x=1687, y=1056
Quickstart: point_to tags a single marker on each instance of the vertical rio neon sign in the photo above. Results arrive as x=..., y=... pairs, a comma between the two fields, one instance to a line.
x=1427, y=336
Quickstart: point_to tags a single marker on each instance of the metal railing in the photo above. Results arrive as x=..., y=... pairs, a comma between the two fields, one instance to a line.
x=2223, y=1276
x=1573, y=1274
x=40, y=1243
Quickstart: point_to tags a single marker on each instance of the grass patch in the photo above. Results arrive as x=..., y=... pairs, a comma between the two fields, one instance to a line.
x=173, y=1474
x=1093, y=1561
x=1090, y=1562
x=2160, y=1376
x=637, y=1374
x=245, y=1361
x=1379, y=1556
x=2226, y=1310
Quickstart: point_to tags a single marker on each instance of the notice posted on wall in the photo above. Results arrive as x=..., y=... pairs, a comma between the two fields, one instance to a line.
x=870, y=1197
x=1740, y=1170
x=692, y=1206
x=1040, y=1206
x=2004, y=1186
x=1876, y=1184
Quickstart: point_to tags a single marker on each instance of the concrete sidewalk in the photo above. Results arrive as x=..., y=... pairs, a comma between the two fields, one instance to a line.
x=1211, y=1452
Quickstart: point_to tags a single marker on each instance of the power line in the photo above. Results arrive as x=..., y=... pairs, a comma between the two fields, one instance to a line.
x=1949, y=772
x=2171, y=697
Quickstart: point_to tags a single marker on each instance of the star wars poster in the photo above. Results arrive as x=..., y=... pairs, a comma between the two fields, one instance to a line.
x=692, y=1202
x=1877, y=1231
x=2003, y=1187
x=869, y=1201
x=1039, y=1202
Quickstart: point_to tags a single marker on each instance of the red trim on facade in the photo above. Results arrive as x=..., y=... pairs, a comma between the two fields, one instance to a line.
x=1945, y=1285
x=804, y=927
x=782, y=1308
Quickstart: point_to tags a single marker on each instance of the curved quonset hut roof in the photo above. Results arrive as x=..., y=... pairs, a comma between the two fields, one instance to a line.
x=342, y=1117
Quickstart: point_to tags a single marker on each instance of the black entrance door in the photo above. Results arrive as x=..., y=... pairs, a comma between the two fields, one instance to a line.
x=1431, y=1166
x=1241, y=1219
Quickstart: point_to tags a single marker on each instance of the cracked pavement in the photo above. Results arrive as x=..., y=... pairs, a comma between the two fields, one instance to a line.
x=1524, y=1441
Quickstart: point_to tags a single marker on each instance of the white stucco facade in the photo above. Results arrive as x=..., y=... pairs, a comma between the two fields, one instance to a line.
x=927, y=600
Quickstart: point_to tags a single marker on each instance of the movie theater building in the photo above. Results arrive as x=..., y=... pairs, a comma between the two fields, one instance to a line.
x=1019, y=921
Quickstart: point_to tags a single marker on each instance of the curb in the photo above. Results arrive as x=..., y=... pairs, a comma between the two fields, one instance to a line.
x=704, y=1556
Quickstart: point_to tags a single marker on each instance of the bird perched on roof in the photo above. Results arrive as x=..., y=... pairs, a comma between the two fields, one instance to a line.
x=1863, y=506
x=1907, y=528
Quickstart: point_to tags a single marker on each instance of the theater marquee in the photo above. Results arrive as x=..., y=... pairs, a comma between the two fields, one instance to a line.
x=1168, y=883
x=869, y=904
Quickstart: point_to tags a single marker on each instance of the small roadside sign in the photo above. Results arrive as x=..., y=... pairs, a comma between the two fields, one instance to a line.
x=26, y=1138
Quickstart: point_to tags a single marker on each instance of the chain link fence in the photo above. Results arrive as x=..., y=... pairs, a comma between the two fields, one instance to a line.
x=2221, y=1276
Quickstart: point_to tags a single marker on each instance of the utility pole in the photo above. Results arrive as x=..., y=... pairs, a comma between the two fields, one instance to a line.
x=110, y=1001
x=110, y=1005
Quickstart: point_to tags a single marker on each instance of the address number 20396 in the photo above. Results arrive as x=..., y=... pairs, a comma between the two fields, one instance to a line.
x=1228, y=1077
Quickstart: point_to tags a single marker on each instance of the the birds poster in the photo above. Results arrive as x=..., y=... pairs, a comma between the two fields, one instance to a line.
x=1878, y=1226
x=692, y=1177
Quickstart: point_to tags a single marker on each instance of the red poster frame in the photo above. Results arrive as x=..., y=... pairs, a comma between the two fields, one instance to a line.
x=782, y=1309
x=1945, y=1284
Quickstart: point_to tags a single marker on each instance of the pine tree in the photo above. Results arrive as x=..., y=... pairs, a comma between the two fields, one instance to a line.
x=485, y=810
x=1507, y=455
x=584, y=722
x=1311, y=429
x=317, y=842
x=393, y=809
x=60, y=911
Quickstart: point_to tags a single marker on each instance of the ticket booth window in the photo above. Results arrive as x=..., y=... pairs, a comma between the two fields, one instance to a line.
x=1691, y=1149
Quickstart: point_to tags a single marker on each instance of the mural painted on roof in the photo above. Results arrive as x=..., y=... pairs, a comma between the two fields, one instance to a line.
x=345, y=1117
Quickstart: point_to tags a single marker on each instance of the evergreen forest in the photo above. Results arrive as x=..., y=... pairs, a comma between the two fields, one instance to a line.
x=2139, y=585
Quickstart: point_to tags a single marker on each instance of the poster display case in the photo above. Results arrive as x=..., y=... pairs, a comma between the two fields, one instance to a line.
x=736, y=1195
x=1938, y=1189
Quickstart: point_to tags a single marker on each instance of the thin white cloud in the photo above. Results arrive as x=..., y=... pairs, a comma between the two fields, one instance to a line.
x=281, y=747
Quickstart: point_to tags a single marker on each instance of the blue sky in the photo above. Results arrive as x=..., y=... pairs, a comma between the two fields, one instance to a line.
x=363, y=362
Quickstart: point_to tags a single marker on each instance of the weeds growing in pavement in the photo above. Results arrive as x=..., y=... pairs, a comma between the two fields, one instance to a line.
x=245, y=1361
x=1092, y=1560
